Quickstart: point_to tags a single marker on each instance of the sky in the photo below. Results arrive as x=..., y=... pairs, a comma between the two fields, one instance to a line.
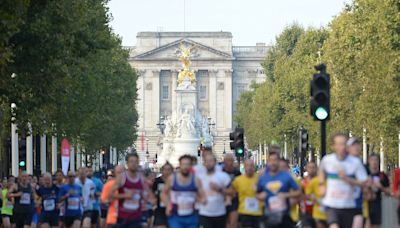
x=250, y=21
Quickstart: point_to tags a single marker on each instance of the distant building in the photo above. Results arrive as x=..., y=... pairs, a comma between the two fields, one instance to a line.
x=223, y=72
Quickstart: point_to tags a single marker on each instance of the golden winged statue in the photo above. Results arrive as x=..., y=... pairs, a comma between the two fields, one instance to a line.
x=185, y=54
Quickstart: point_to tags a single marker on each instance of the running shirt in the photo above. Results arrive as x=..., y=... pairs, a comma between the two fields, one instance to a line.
x=307, y=203
x=232, y=175
x=112, y=206
x=98, y=188
x=88, y=193
x=295, y=208
x=340, y=194
x=215, y=205
x=24, y=203
x=312, y=190
x=7, y=205
x=73, y=202
x=272, y=185
x=246, y=187
x=157, y=188
x=183, y=196
x=131, y=209
x=49, y=200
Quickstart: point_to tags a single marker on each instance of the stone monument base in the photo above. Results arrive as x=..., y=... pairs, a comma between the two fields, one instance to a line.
x=182, y=147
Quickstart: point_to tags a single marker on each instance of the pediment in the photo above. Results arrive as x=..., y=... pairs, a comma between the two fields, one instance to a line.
x=171, y=52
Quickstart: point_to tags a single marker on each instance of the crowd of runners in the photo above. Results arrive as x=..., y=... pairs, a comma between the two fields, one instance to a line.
x=341, y=193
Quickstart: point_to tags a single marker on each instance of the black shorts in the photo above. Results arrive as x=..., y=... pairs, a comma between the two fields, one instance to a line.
x=211, y=222
x=23, y=218
x=69, y=220
x=8, y=216
x=342, y=217
x=160, y=219
x=103, y=213
x=375, y=212
x=93, y=215
x=233, y=207
x=51, y=219
x=286, y=222
x=249, y=221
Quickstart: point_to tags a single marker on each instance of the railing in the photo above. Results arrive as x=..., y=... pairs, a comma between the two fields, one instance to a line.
x=250, y=49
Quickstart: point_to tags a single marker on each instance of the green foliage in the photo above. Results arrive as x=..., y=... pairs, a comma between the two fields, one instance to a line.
x=361, y=48
x=73, y=78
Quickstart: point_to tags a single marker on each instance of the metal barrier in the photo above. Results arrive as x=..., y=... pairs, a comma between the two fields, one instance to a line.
x=389, y=212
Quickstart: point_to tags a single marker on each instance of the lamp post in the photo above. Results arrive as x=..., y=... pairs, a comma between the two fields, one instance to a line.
x=147, y=150
x=224, y=147
x=210, y=124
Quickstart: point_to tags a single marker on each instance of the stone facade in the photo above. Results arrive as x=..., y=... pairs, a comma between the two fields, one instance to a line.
x=222, y=70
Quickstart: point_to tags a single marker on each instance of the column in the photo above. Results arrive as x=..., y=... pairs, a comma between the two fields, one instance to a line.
x=43, y=154
x=72, y=158
x=382, y=156
x=260, y=154
x=53, y=154
x=365, y=153
x=14, y=149
x=174, y=75
x=155, y=99
x=29, y=151
x=101, y=159
x=285, y=147
x=115, y=156
x=79, y=157
x=228, y=99
x=265, y=152
x=212, y=92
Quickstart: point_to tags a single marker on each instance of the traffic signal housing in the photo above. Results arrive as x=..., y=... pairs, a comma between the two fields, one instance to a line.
x=237, y=144
x=320, y=94
x=303, y=135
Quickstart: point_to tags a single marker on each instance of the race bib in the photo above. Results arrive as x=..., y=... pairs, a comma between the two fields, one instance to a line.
x=25, y=198
x=132, y=204
x=186, y=203
x=49, y=204
x=321, y=209
x=73, y=203
x=277, y=204
x=342, y=191
x=251, y=204
x=9, y=205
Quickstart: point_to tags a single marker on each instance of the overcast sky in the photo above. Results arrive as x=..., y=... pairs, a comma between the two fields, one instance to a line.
x=250, y=21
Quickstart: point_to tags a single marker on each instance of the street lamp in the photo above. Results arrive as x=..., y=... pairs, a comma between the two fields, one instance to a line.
x=210, y=124
x=224, y=147
x=161, y=124
x=147, y=148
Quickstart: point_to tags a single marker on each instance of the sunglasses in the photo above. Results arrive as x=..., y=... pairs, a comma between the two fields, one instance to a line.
x=71, y=176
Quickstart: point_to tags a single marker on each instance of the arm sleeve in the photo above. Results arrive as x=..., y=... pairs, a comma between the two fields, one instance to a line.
x=292, y=184
x=361, y=173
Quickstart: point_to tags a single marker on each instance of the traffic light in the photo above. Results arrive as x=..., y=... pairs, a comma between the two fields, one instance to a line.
x=303, y=139
x=320, y=95
x=237, y=143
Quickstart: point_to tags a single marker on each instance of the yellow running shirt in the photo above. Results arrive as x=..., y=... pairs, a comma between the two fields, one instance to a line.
x=313, y=190
x=246, y=187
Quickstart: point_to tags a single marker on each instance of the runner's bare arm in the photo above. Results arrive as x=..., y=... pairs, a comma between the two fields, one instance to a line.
x=322, y=178
x=166, y=190
x=200, y=192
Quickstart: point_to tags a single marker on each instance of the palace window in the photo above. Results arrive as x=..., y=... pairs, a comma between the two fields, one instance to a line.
x=165, y=92
x=203, y=92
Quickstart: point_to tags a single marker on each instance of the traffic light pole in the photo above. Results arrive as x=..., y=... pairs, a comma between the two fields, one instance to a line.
x=323, y=138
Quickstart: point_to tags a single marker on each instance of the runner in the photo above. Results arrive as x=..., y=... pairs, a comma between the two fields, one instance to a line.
x=147, y=209
x=7, y=205
x=294, y=202
x=396, y=192
x=131, y=192
x=342, y=173
x=215, y=184
x=273, y=188
x=354, y=149
x=378, y=182
x=22, y=194
x=95, y=214
x=160, y=218
x=250, y=208
x=59, y=182
x=106, y=196
x=179, y=195
x=308, y=201
x=233, y=202
x=318, y=211
x=88, y=194
x=48, y=194
x=72, y=197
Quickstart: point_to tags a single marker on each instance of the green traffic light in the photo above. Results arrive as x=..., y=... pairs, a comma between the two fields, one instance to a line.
x=22, y=163
x=321, y=113
x=240, y=151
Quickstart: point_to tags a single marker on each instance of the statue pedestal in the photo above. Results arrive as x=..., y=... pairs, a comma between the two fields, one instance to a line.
x=182, y=147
